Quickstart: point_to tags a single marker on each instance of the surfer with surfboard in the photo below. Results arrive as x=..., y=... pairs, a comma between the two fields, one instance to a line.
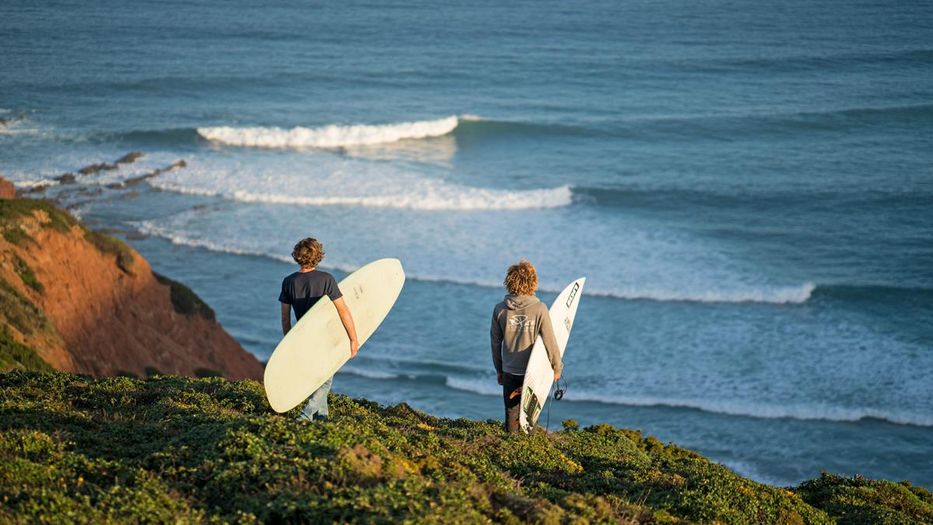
x=300, y=291
x=517, y=323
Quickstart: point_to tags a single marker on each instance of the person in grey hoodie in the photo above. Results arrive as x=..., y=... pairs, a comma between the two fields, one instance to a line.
x=516, y=324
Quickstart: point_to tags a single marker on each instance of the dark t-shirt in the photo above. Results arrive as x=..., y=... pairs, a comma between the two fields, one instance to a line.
x=303, y=289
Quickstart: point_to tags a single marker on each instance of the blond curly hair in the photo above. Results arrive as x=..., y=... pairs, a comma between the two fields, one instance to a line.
x=521, y=279
x=308, y=252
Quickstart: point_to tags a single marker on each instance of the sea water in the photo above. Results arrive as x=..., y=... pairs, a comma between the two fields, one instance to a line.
x=748, y=188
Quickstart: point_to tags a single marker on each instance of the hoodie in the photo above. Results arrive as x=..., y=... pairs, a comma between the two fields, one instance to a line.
x=516, y=324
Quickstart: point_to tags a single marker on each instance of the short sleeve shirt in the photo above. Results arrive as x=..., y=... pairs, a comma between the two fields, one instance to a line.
x=303, y=289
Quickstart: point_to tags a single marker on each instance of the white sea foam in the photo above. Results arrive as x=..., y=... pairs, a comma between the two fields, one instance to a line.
x=771, y=295
x=155, y=230
x=805, y=412
x=763, y=410
x=328, y=180
x=748, y=470
x=371, y=374
x=429, y=195
x=764, y=294
x=333, y=136
x=485, y=388
x=18, y=126
x=34, y=183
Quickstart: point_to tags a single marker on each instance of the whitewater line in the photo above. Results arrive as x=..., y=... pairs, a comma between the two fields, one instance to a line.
x=332, y=136
x=774, y=295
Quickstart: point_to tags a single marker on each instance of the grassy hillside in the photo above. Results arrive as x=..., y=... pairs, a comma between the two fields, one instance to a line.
x=169, y=449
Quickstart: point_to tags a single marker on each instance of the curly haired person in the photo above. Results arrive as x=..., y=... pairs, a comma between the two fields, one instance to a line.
x=300, y=291
x=516, y=324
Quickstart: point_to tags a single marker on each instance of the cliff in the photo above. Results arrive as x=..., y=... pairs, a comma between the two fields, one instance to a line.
x=175, y=450
x=84, y=302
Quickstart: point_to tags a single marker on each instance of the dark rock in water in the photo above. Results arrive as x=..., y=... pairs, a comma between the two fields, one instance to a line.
x=130, y=157
x=137, y=180
x=90, y=192
x=94, y=168
x=6, y=122
x=66, y=178
x=7, y=190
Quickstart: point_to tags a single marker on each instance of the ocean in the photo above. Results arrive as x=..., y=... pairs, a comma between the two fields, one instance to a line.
x=747, y=186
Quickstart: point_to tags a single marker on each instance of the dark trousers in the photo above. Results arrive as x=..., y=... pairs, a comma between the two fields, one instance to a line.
x=512, y=395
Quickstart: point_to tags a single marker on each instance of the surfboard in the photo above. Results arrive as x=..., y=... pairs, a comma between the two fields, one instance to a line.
x=539, y=376
x=317, y=345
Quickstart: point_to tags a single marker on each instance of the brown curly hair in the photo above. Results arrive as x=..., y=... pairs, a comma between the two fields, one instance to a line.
x=308, y=252
x=521, y=279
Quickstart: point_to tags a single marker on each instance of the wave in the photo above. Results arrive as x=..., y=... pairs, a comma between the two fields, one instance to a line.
x=917, y=297
x=153, y=230
x=469, y=127
x=464, y=127
x=767, y=295
x=16, y=125
x=370, y=374
x=746, y=124
x=821, y=62
x=802, y=412
x=425, y=195
x=332, y=136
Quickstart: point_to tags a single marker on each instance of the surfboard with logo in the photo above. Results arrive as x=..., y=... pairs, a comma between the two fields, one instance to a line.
x=317, y=346
x=539, y=376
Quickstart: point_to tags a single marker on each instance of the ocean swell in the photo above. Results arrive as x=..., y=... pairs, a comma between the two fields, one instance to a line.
x=423, y=195
x=769, y=295
x=333, y=136
x=759, y=410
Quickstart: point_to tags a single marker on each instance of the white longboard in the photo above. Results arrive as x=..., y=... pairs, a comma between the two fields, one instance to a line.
x=317, y=346
x=539, y=376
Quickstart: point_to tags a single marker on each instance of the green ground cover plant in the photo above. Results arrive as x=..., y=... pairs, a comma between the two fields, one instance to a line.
x=184, y=300
x=171, y=449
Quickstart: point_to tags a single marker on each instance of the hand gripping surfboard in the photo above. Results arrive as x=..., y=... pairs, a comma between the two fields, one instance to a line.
x=539, y=376
x=317, y=346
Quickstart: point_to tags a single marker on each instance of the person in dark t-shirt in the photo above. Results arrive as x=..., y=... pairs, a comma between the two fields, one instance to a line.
x=301, y=290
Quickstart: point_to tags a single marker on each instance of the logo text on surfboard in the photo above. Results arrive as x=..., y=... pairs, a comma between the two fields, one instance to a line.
x=573, y=294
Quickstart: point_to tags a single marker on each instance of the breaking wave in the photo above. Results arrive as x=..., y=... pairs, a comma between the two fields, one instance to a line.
x=765, y=294
x=803, y=412
x=423, y=195
x=769, y=295
x=333, y=136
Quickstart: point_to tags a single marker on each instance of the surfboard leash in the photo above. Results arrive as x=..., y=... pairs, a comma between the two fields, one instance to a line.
x=558, y=395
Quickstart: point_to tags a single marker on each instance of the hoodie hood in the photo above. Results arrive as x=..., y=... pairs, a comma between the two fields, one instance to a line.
x=518, y=302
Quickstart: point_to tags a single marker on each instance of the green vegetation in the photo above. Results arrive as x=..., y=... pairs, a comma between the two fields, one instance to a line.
x=15, y=356
x=25, y=273
x=16, y=235
x=12, y=210
x=170, y=449
x=19, y=312
x=184, y=300
x=113, y=246
x=866, y=501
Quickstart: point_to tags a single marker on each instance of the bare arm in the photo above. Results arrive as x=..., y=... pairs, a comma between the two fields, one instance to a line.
x=347, y=319
x=286, y=318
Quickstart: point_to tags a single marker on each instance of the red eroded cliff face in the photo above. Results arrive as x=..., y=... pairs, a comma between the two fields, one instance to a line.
x=88, y=303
